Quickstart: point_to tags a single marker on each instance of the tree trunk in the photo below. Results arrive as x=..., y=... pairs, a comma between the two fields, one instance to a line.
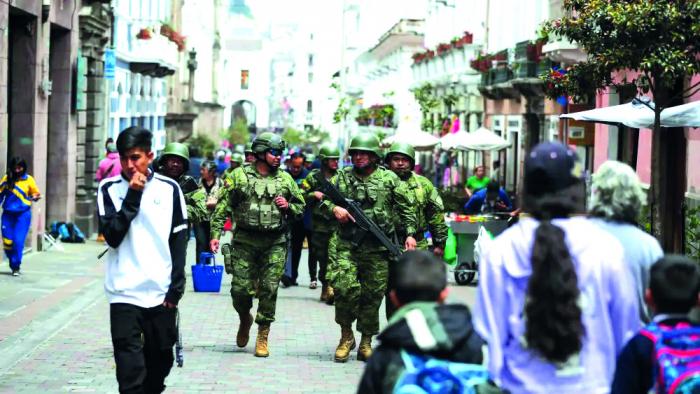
x=668, y=176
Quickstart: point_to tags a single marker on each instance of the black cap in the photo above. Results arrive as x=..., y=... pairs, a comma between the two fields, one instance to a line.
x=550, y=167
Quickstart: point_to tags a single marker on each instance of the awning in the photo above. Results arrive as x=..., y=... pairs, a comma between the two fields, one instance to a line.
x=485, y=140
x=638, y=114
x=410, y=133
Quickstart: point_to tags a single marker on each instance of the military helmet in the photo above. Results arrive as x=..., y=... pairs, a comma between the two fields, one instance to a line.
x=402, y=148
x=179, y=150
x=309, y=157
x=237, y=158
x=248, y=148
x=366, y=142
x=328, y=152
x=267, y=141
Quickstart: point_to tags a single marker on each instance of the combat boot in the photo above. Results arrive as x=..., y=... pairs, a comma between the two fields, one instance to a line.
x=347, y=343
x=365, y=350
x=243, y=335
x=261, y=342
x=330, y=297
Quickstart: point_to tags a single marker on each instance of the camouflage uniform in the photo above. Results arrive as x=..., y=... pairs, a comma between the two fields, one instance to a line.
x=429, y=211
x=321, y=225
x=360, y=272
x=260, y=238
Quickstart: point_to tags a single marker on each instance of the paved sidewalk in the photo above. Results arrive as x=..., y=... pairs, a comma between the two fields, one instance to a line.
x=64, y=345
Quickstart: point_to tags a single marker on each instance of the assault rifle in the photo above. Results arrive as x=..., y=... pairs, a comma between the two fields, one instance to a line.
x=188, y=184
x=361, y=220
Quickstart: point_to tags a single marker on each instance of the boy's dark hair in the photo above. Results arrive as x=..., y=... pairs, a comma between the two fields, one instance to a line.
x=134, y=137
x=493, y=187
x=674, y=284
x=417, y=276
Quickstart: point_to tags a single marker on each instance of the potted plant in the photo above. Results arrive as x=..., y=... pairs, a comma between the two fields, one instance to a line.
x=458, y=42
x=443, y=49
x=144, y=34
x=468, y=38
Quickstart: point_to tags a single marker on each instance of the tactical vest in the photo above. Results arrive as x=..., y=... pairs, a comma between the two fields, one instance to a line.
x=373, y=197
x=257, y=210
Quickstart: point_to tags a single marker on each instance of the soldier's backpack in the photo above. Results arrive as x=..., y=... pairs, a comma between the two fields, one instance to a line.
x=677, y=357
x=431, y=375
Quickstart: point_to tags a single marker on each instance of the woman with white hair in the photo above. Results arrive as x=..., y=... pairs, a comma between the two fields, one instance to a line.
x=616, y=202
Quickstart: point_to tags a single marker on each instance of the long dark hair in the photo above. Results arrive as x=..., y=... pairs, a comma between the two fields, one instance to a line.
x=12, y=177
x=553, y=327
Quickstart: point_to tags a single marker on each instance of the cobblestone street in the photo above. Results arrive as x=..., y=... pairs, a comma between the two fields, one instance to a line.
x=54, y=335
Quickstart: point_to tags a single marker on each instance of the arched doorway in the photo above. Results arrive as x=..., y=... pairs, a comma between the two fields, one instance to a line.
x=244, y=111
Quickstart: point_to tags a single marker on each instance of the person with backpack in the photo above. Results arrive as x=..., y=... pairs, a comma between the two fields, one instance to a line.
x=665, y=355
x=423, y=331
x=555, y=301
x=18, y=191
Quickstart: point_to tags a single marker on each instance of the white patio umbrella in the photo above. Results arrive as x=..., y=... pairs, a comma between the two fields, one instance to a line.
x=453, y=140
x=410, y=133
x=484, y=139
x=638, y=115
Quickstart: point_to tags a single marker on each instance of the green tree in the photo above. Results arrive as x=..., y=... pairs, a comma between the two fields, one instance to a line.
x=427, y=101
x=294, y=137
x=201, y=145
x=238, y=133
x=660, y=42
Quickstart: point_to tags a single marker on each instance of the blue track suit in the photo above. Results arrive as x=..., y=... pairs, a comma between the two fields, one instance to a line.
x=16, y=216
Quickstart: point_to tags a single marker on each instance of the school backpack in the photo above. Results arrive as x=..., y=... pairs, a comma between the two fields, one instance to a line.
x=677, y=358
x=431, y=375
x=66, y=232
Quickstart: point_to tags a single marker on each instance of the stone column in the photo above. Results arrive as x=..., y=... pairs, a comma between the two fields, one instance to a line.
x=94, y=36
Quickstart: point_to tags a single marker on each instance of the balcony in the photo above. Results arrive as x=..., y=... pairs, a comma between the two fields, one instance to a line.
x=405, y=33
x=440, y=69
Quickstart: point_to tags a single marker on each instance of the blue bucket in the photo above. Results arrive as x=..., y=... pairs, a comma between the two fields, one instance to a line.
x=206, y=275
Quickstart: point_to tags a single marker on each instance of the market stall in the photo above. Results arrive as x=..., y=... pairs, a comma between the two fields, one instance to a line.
x=466, y=230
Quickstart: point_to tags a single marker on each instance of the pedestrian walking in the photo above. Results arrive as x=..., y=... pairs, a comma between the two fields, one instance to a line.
x=426, y=203
x=360, y=277
x=264, y=201
x=210, y=185
x=555, y=302
x=419, y=293
x=18, y=191
x=671, y=336
x=300, y=229
x=143, y=218
x=110, y=165
x=322, y=227
x=616, y=203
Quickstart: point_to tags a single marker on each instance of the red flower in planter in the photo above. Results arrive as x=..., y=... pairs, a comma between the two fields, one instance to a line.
x=144, y=34
x=468, y=38
x=443, y=49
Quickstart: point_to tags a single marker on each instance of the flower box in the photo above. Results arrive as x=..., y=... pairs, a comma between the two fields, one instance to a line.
x=144, y=34
x=443, y=49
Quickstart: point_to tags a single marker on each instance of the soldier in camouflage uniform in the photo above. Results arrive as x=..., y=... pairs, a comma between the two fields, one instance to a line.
x=425, y=200
x=248, y=152
x=237, y=160
x=174, y=163
x=362, y=262
x=263, y=200
x=321, y=226
x=430, y=212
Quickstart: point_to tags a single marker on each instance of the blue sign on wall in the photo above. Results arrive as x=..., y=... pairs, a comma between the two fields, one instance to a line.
x=110, y=63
